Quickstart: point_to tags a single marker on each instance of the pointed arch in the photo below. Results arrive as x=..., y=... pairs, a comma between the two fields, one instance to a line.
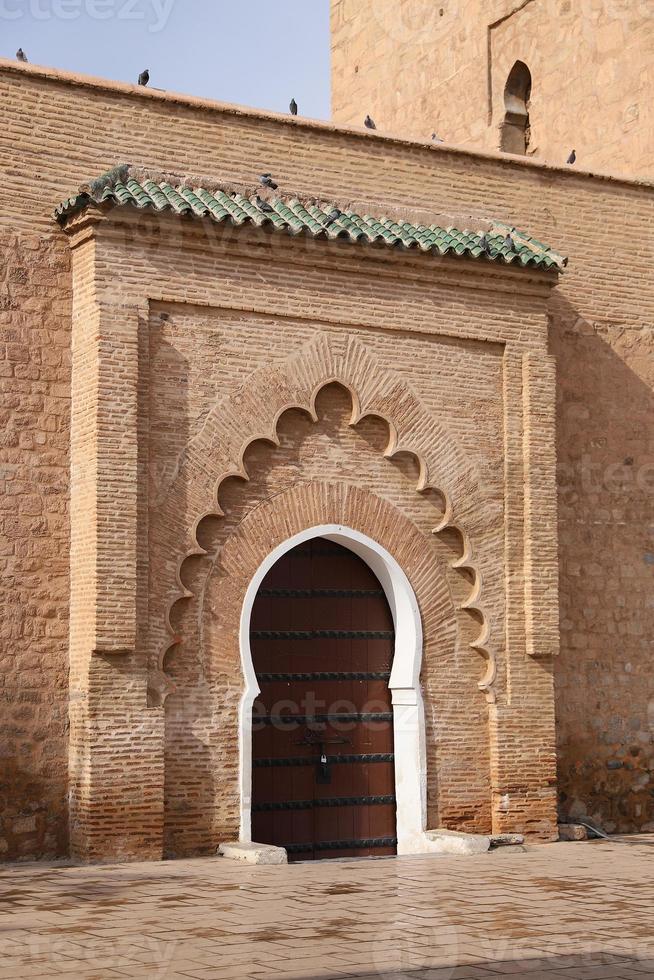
x=515, y=130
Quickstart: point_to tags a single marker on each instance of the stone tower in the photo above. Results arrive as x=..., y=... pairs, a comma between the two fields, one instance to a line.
x=535, y=77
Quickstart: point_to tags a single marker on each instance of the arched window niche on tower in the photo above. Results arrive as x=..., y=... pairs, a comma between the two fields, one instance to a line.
x=515, y=130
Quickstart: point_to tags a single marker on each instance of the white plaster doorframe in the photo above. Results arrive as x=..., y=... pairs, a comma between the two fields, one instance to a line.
x=404, y=683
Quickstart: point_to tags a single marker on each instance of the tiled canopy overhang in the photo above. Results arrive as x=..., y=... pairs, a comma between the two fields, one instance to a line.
x=134, y=187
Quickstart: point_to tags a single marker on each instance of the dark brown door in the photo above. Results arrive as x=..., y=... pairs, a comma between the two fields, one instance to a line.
x=323, y=768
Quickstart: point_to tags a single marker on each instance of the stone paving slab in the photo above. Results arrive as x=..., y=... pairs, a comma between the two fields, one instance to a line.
x=581, y=911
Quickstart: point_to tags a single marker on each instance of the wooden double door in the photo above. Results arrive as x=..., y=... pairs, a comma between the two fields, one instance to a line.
x=323, y=769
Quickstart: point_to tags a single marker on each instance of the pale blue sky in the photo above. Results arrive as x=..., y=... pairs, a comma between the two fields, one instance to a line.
x=252, y=52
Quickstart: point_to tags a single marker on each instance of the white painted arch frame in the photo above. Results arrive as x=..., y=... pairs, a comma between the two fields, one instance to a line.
x=404, y=683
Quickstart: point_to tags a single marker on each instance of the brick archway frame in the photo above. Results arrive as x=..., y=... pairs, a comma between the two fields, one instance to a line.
x=251, y=413
x=418, y=595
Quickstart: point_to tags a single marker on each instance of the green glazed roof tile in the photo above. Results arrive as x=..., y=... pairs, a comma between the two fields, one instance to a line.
x=126, y=186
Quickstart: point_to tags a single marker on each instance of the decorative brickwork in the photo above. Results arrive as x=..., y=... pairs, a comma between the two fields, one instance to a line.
x=251, y=414
x=202, y=799
x=117, y=728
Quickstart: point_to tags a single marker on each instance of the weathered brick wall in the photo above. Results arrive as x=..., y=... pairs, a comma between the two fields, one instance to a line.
x=601, y=318
x=419, y=66
x=34, y=400
x=605, y=695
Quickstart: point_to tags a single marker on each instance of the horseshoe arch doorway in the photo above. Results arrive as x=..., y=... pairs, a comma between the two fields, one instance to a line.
x=323, y=767
x=408, y=726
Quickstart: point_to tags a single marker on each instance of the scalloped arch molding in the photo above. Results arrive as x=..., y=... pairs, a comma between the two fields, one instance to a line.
x=252, y=412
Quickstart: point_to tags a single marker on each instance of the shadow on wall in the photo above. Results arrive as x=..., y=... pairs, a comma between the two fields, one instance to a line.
x=189, y=790
x=32, y=810
x=604, y=686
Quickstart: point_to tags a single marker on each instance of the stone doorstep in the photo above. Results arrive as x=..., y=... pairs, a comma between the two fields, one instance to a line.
x=251, y=853
x=572, y=831
x=507, y=840
x=456, y=842
x=437, y=842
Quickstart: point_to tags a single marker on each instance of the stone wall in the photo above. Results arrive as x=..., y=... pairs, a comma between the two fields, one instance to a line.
x=34, y=476
x=423, y=66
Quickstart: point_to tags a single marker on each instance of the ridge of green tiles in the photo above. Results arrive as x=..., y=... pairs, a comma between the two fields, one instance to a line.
x=122, y=187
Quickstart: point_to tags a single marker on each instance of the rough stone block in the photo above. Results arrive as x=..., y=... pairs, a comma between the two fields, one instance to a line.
x=506, y=840
x=454, y=842
x=572, y=831
x=251, y=853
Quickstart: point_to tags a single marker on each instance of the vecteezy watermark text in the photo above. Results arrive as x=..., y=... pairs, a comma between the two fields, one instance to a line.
x=154, y=12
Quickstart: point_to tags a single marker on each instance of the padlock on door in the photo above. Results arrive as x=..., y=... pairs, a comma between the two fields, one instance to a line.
x=324, y=774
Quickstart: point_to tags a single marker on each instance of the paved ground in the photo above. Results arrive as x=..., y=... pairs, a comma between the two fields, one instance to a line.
x=581, y=911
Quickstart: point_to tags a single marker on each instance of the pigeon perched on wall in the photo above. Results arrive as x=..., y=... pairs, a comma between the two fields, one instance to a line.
x=263, y=205
x=20, y=54
x=484, y=244
x=572, y=158
x=266, y=181
x=293, y=107
x=436, y=138
x=333, y=216
x=369, y=123
x=144, y=77
x=509, y=243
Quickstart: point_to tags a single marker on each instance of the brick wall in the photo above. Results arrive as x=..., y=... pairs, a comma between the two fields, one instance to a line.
x=601, y=319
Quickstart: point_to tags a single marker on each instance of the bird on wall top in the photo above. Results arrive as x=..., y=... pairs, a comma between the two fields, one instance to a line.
x=263, y=205
x=571, y=159
x=20, y=54
x=369, y=123
x=293, y=107
x=144, y=77
x=436, y=138
x=333, y=216
x=509, y=243
x=484, y=244
x=266, y=181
